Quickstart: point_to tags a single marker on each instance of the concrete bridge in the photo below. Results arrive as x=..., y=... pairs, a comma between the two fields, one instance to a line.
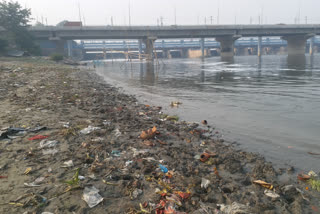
x=295, y=35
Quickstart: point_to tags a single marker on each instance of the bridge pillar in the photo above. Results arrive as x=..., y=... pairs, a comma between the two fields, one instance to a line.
x=59, y=45
x=311, y=46
x=202, y=47
x=227, y=45
x=297, y=44
x=168, y=54
x=149, y=42
x=140, y=49
x=259, y=46
x=104, y=50
x=69, y=45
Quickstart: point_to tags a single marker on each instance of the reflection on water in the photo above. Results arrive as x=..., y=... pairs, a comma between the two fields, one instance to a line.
x=269, y=104
x=297, y=63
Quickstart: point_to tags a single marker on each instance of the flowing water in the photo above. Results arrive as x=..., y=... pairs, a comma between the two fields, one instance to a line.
x=269, y=105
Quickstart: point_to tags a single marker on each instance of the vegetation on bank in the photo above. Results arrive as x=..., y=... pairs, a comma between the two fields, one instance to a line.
x=14, y=19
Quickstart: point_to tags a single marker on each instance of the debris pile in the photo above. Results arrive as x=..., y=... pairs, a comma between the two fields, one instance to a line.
x=69, y=143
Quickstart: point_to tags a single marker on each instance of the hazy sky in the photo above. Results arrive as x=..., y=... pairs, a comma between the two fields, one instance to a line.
x=148, y=12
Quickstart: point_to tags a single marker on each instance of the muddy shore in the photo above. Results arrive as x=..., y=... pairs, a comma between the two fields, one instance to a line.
x=63, y=131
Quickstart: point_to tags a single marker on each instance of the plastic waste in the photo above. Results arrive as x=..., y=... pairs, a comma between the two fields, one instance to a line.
x=89, y=130
x=312, y=174
x=136, y=193
x=37, y=129
x=81, y=177
x=91, y=196
x=303, y=177
x=38, y=137
x=175, y=103
x=263, y=184
x=271, y=194
x=128, y=163
x=27, y=171
x=204, y=183
x=31, y=185
x=68, y=164
x=106, y=123
x=48, y=143
x=235, y=208
x=49, y=151
x=138, y=152
x=163, y=168
x=117, y=133
x=36, y=183
x=149, y=134
x=11, y=133
x=116, y=153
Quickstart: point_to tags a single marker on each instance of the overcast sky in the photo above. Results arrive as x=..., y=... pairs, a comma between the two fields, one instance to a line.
x=148, y=12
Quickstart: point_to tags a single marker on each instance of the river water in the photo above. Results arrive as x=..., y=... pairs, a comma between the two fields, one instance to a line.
x=269, y=105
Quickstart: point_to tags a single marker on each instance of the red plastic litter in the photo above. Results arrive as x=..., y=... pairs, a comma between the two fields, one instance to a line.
x=38, y=137
x=1, y=176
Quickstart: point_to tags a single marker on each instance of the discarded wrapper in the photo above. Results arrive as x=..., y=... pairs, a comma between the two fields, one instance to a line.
x=264, y=184
x=91, y=196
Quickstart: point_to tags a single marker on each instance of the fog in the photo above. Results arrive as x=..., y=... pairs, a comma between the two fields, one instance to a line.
x=180, y=12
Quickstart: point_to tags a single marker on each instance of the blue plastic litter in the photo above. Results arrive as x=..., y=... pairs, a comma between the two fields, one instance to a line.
x=163, y=168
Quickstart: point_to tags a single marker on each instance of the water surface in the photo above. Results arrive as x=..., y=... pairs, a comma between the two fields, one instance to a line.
x=269, y=105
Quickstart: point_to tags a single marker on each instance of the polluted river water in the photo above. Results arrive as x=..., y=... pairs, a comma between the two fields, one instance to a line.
x=269, y=105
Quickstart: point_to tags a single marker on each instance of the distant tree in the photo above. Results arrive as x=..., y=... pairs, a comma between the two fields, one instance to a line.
x=62, y=23
x=39, y=24
x=14, y=19
x=3, y=45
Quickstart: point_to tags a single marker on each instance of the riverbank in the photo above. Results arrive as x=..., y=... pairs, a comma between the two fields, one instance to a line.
x=94, y=139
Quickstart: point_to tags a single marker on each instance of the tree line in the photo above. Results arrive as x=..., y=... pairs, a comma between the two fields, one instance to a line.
x=14, y=20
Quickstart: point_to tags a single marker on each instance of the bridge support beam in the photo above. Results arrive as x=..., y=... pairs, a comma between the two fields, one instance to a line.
x=140, y=48
x=311, y=46
x=149, y=42
x=104, y=50
x=202, y=47
x=59, y=44
x=297, y=44
x=69, y=45
x=227, y=45
x=259, y=46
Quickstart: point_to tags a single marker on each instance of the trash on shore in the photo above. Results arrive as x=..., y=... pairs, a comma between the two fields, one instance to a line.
x=49, y=151
x=37, y=129
x=91, y=196
x=11, y=133
x=263, y=184
x=235, y=208
x=172, y=118
x=204, y=122
x=68, y=164
x=48, y=143
x=149, y=134
x=163, y=168
x=38, y=137
x=27, y=171
x=271, y=194
x=303, y=177
x=175, y=104
x=204, y=183
x=3, y=176
x=89, y=130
